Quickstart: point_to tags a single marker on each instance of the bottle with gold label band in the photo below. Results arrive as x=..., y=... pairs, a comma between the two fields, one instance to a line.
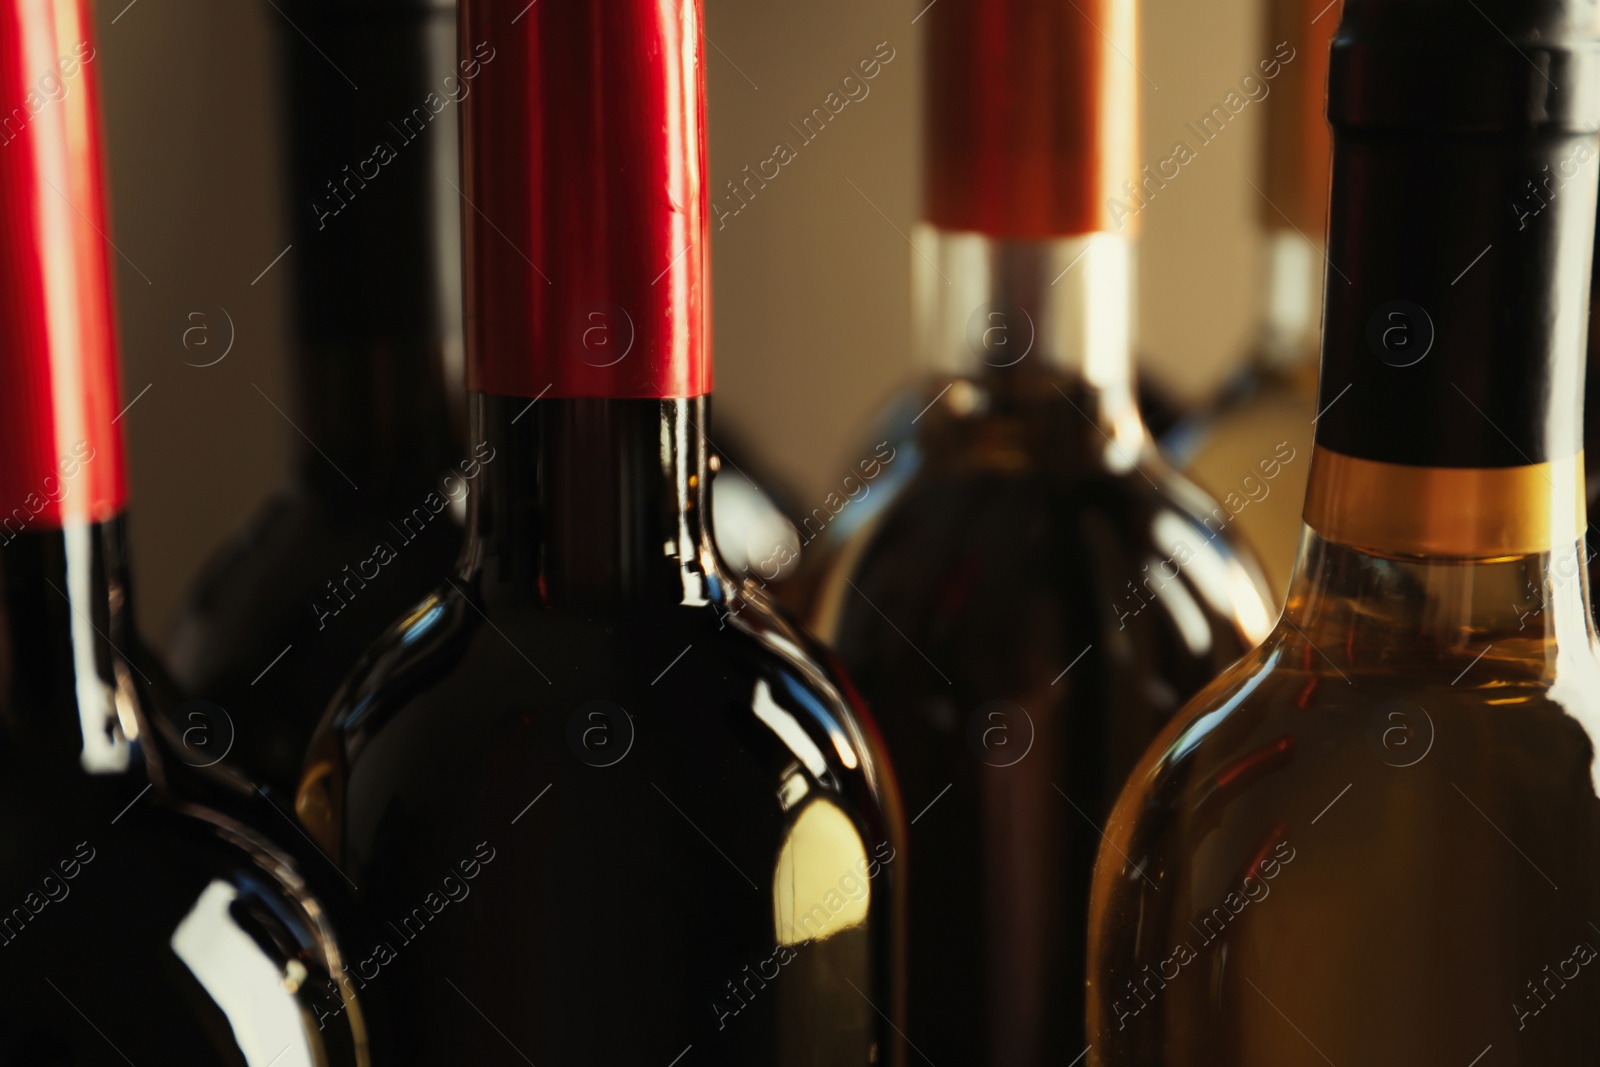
x=1374, y=840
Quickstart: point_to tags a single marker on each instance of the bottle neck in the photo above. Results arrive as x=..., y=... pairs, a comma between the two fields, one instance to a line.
x=377, y=298
x=66, y=691
x=1446, y=486
x=1359, y=610
x=66, y=686
x=1291, y=318
x=592, y=501
x=1006, y=310
x=1423, y=558
x=1293, y=180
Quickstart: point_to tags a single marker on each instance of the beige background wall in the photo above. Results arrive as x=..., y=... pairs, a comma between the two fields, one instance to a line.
x=812, y=294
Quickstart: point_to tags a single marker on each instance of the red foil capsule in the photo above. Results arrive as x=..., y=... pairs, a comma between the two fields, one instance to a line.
x=584, y=166
x=61, y=458
x=1030, y=116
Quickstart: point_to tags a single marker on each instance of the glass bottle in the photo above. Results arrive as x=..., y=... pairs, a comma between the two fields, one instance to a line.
x=1374, y=839
x=372, y=517
x=136, y=926
x=1042, y=593
x=656, y=791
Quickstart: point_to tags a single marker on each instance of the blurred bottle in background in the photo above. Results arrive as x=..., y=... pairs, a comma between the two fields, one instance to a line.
x=1041, y=592
x=824, y=533
x=797, y=565
x=372, y=517
x=1272, y=398
x=754, y=517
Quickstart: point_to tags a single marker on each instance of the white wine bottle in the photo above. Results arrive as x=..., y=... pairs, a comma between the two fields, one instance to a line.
x=1376, y=839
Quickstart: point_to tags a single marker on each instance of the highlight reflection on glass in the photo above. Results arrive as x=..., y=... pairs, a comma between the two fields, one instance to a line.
x=252, y=992
x=821, y=885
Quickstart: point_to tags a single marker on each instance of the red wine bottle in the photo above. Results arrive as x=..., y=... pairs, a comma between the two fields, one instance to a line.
x=134, y=926
x=1043, y=592
x=662, y=795
x=372, y=516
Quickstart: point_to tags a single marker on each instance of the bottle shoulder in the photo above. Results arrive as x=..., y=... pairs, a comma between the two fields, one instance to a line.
x=1038, y=457
x=1299, y=808
x=944, y=456
x=1288, y=721
x=218, y=927
x=467, y=684
x=1114, y=549
x=299, y=565
x=689, y=778
x=278, y=616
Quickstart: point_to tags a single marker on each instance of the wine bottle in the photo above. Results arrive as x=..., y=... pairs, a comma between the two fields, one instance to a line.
x=1374, y=840
x=372, y=516
x=1029, y=610
x=135, y=926
x=1271, y=401
x=798, y=574
x=663, y=796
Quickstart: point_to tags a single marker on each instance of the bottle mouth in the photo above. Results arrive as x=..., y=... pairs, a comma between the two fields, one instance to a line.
x=1502, y=66
x=1468, y=513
